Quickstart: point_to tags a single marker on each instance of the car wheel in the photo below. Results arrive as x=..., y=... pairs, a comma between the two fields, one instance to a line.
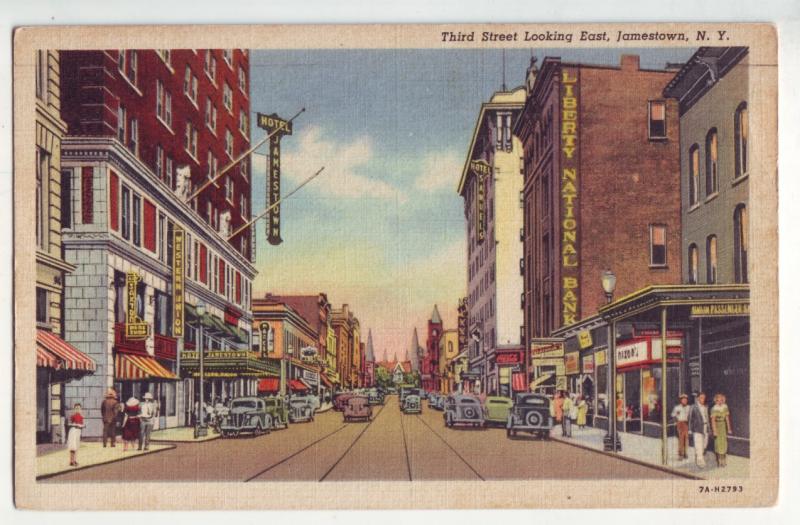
x=534, y=419
x=258, y=431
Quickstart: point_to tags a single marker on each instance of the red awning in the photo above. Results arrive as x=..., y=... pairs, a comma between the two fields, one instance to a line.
x=326, y=381
x=46, y=359
x=71, y=358
x=129, y=367
x=518, y=382
x=269, y=385
x=296, y=384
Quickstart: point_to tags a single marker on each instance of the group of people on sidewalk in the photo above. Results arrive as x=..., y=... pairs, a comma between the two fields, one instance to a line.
x=568, y=409
x=700, y=422
x=135, y=418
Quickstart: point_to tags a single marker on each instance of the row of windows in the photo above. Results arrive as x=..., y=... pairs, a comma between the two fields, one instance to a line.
x=740, y=232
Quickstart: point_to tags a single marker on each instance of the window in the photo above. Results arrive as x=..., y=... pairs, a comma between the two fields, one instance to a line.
x=166, y=56
x=657, y=117
x=243, y=80
x=211, y=66
x=127, y=64
x=658, y=245
x=243, y=206
x=211, y=116
x=694, y=263
x=136, y=221
x=229, y=143
x=712, y=177
x=163, y=104
x=196, y=260
x=694, y=174
x=41, y=305
x=66, y=198
x=190, y=85
x=190, y=140
x=711, y=259
x=42, y=169
x=229, y=189
x=227, y=54
x=159, y=167
x=42, y=75
x=740, y=232
x=212, y=165
x=243, y=124
x=243, y=169
x=162, y=237
x=121, y=124
x=133, y=140
x=169, y=173
x=162, y=317
x=227, y=97
x=126, y=213
x=740, y=125
x=133, y=67
x=121, y=61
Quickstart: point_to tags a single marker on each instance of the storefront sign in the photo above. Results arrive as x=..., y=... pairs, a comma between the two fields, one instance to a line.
x=263, y=330
x=272, y=123
x=631, y=353
x=308, y=353
x=600, y=358
x=587, y=364
x=508, y=358
x=720, y=310
x=312, y=378
x=135, y=327
x=546, y=350
x=585, y=339
x=481, y=169
x=571, y=363
x=646, y=350
x=178, y=274
x=570, y=284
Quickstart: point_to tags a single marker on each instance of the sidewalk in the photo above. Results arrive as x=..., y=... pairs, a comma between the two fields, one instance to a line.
x=180, y=435
x=648, y=450
x=90, y=454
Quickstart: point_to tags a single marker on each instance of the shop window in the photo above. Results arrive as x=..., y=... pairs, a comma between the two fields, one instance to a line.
x=711, y=259
x=657, y=112
x=740, y=231
x=658, y=245
x=41, y=306
x=740, y=126
x=712, y=165
x=694, y=174
x=120, y=300
x=694, y=260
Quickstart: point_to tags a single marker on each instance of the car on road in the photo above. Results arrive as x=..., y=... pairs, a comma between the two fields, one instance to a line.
x=340, y=400
x=441, y=399
x=277, y=409
x=357, y=407
x=496, y=410
x=432, y=399
x=246, y=415
x=530, y=413
x=412, y=404
x=376, y=397
x=406, y=391
x=301, y=409
x=391, y=391
x=463, y=409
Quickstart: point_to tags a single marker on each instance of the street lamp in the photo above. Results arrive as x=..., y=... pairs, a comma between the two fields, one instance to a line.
x=610, y=441
x=200, y=428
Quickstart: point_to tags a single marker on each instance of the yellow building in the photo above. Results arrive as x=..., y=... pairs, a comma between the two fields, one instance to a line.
x=448, y=349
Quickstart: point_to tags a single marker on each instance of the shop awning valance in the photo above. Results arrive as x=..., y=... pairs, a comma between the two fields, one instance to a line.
x=518, y=382
x=298, y=386
x=129, y=367
x=45, y=359
x=269, y=385
x=69, y=357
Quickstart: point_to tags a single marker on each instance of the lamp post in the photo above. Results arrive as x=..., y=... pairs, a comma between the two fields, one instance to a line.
x=200, y=429
x=610, y=441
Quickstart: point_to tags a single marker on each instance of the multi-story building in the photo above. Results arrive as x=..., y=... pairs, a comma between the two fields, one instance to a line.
x=429, y=365
x=491, y=186
x=345, y=326
x=448, y=349
x=57, y=361
x=147, y=128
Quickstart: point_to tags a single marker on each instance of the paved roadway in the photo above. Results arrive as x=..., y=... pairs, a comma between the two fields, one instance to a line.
x=393, y=446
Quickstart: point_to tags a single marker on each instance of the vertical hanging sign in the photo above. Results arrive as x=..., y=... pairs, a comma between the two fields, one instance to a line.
x=481, y=169
x=570, y=273
x=462, y=324
x=135, y=327
x=272, y=123
x=178, y=274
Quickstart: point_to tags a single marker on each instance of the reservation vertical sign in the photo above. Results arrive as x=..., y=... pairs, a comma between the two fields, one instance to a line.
x=481, y=169
x=178, y=274
x=570, y=278
x=280, y=127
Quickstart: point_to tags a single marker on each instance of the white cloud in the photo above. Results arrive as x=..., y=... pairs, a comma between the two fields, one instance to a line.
x=440, y=171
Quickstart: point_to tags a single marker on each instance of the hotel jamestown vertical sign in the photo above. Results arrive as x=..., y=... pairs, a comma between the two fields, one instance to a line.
x=570, y=276
x=273, y=123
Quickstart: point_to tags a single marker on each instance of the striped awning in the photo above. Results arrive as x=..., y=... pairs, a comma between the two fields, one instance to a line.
x=69, y=357
x=298, y=386
x=518, y=382
x=129, y=367
x=46, y=359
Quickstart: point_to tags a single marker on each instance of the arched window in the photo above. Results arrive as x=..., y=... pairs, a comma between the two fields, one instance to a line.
x=740, y=231
x=740, y=123
x=694, y=263
x=711, y=259
x=694, y=174
x=712, y=164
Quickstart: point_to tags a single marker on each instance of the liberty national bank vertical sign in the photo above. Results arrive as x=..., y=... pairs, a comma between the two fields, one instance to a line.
x=280, y=127
x=570, y=271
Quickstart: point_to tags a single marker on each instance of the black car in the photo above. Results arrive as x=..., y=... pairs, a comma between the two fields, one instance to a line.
x=530, y=413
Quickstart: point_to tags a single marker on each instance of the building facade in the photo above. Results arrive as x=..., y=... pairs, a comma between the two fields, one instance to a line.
x=448, y=349
x=346, y=329
x=429, y=365
x=146, y=128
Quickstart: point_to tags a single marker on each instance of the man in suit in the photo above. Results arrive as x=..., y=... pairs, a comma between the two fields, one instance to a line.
x=698, y=427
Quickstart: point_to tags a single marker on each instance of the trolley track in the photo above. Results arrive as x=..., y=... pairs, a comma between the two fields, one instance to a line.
x=349, y=448
x=448, y=445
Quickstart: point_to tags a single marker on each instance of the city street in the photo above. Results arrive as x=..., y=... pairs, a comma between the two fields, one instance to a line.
x=393, y=446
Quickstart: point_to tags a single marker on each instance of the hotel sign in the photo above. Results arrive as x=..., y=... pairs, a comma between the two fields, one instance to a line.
x=135, y=327
x=481, y=169
x=178, y=274
x=273, y=123
x=570, y=305
x=462, y=324
x=720, y=310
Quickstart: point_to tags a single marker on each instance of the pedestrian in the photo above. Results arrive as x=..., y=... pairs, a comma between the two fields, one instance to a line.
x=147, y=416
x=109, y=411
x=681, y=416
x=721, y=427
x=698, y=426
x=582, y=410
x=74, y=436
x=558, y=410
x=566, y=420
x=131, y=425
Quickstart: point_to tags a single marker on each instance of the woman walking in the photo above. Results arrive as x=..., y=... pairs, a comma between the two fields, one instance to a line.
x=583, y=409
x=74, y=435
x=720, y=428
x=131, y=427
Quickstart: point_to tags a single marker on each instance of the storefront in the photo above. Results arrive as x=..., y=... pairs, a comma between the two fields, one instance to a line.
x=547, y=366
x=509, y=361
x=138, y=373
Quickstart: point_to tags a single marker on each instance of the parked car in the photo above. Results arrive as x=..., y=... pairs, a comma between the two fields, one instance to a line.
x=301, y=409
x=276, y=408
x=530, y=413
x=440, y=402
x=432, y=399
x=357, y=407
x=462, y=409
x=340, y=400
x=376, y=397
x=412, y=404
x=247, y=414
x=496, y=409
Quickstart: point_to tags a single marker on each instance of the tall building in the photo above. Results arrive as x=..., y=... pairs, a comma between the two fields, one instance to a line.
x=415, y=351
x=429, y=366
x=346, y=328
x=448, y=349
x=491, y=186
x=369, y=362
x=146, y=128
x=57, y=362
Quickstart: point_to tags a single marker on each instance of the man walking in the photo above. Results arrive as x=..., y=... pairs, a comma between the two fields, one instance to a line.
x=698, y=426
x=681, y=416
x=147, y=417
x=566, y=418
x=109, y=410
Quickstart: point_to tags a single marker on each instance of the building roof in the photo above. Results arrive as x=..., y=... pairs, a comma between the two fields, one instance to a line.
x=305, y=305
x=704, y=69
x=435, y=317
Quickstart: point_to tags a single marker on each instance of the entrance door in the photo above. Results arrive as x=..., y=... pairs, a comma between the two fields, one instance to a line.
x=632, y=409
x=42, y=405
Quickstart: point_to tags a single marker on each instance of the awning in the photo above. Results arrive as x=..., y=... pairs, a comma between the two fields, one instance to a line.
x=70, y=357
x=541, y=379
x=128, y=367
x=518, y=382
x=296, y=384
x=46, y=359
x=269, y=385
x=326, y=381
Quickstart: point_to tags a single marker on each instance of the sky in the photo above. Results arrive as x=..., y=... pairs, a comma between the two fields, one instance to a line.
x=382, y=228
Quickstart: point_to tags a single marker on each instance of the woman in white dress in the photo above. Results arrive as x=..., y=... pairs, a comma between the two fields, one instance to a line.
x=74, y=436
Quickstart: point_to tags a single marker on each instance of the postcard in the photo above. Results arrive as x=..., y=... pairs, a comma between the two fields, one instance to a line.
x=395, y=266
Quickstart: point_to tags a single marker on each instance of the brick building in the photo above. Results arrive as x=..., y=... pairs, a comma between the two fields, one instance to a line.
x=146, y=128
x=429, y=365
x=347, y=330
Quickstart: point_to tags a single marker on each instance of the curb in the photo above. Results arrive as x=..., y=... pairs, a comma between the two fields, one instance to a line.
x=190, y=441
x=84, y=467
x=662, y=468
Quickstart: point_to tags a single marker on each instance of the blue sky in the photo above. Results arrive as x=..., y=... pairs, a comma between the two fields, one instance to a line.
x=382, y=228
